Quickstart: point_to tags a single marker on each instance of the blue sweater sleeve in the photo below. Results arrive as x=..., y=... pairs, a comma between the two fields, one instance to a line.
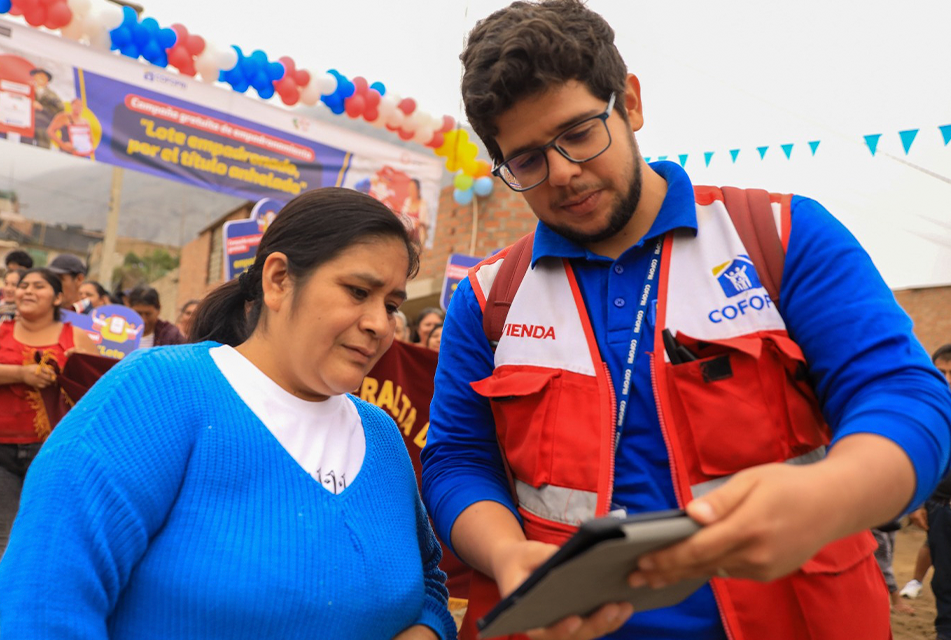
x=435, y=613
x=870, y=372
x=99, y=489
x=461, y=460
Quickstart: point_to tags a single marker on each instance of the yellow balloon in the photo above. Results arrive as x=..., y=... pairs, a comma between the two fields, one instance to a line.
x=469, y=168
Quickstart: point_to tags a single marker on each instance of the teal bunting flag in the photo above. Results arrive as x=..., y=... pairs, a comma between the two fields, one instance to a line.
x=661, y=158
x=946, y=133
x=647, y=159
x=762, y=151
x=683, y=159
x=787, y=149
x=814, y=145
x=707, y=155
x=871, y=141
x=907, y=138
x=734, y=153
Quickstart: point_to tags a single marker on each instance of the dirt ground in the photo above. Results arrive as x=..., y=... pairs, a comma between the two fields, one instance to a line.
x=920, y=624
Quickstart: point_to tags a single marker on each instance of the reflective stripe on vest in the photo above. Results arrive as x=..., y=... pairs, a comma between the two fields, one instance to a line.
x=558, y=504
x=704, y=488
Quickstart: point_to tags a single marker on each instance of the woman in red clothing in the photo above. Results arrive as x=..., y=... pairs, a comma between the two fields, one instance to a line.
x=33, y=349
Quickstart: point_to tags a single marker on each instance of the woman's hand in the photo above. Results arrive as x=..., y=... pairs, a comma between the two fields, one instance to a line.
x=38, y=376
x=417, y=632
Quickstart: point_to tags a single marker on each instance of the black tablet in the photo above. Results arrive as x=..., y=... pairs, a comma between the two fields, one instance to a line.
x=591, y=570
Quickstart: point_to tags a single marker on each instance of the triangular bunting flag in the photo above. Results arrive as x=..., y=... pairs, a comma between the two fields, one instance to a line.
x=683, y=159
x=946, y=132
x=661, y=158
x=787, y=149
x=762, y=151
x=647, y=159
x=814, y=145
x=734, y=153
x=707, y=155
x=907, y=138
x=872, y=142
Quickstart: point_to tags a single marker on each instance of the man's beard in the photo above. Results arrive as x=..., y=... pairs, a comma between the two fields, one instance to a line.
x=620, y=215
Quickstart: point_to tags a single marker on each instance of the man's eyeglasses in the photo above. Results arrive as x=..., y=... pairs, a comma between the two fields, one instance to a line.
x=581, y=142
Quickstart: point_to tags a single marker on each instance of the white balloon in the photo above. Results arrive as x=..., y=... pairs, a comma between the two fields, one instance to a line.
x=387, y=105
x=75, y=29
x=328, y=84
x=110, y=16
x=310, y=95
x=423, y=135
x=79, y=8
x=395, y=118
x=227, y=58
x=207, y=68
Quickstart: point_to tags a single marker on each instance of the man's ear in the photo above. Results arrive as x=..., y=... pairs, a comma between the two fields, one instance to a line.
x=275, y=280
x=632, y=102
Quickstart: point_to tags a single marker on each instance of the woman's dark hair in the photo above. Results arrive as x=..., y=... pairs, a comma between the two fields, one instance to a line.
x=53, y=281
x=429, y=339
x=943, y=353
x=312, y=229
x=193, y=301
x=528, y=47
x=143, y=295
x=421, y=316
x=100, y=290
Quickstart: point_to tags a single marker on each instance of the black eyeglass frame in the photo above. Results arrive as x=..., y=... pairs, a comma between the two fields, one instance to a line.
x=603, y=117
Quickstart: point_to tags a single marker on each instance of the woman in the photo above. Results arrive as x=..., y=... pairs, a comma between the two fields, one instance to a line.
x=435, y=338
x=426, y=321
x=414, y=208
x=249, y=496
x=95, y=293
x=186, y=316
x=33, y=349
x=8, y=306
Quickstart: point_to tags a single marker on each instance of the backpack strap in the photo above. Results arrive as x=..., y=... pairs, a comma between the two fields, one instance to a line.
x=752, y=214
x=509, y=277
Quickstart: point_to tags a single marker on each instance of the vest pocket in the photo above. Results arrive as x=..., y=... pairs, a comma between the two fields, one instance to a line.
x=742, y=403
x=548, y=423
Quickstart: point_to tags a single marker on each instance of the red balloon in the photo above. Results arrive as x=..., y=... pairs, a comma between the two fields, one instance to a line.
x=406, y=135
x=18, y=7
x=437, y=141
x=180, y=30
x=47, y=2
x=302, y=77
x=407, y=106
x=178, y=57
x=448, y=124
x=288, y=63
x=290, y=97
x=373, y=98
x=58, y=16
x=392, y=128
x=194, y=44
x=360, y=85
x=354, y=105
x=35, y=15
x=371, y=113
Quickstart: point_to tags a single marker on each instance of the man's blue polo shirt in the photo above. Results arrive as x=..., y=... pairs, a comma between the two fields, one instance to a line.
x=871, y=375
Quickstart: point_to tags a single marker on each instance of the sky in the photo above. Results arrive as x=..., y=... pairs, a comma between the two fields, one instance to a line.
x=715, y=77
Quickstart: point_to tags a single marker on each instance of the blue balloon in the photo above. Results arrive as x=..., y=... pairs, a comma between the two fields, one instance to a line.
x=151, y=52
x=130, y=50
x=483, y=186
x=462, y=197
x=140, y=35
x=380, y=88
x=240, y=86
x=121, y=37
x=275, y=71
x=266, y=92
x=129, y=16
x=5, y=6
x=259, y=57
x=167, y=38
x=151, y=24
x=260, y=81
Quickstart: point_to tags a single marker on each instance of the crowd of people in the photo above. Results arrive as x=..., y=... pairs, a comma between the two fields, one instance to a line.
x=236, y=487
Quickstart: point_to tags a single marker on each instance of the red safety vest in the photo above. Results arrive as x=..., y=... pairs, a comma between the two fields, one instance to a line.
x=554, y=409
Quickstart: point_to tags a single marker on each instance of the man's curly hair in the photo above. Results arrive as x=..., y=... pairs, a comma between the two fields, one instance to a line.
x=528, y=47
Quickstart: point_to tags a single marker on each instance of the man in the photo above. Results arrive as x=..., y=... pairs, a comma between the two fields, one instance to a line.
x=71, y=131
x=72, y=272
x=155, y=332
x=46, y=104
x=935, y=518
x=624, y=251
x=18, y=259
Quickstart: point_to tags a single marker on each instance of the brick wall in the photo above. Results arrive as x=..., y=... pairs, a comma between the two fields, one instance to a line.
x=930, y=309
x=200, y=268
